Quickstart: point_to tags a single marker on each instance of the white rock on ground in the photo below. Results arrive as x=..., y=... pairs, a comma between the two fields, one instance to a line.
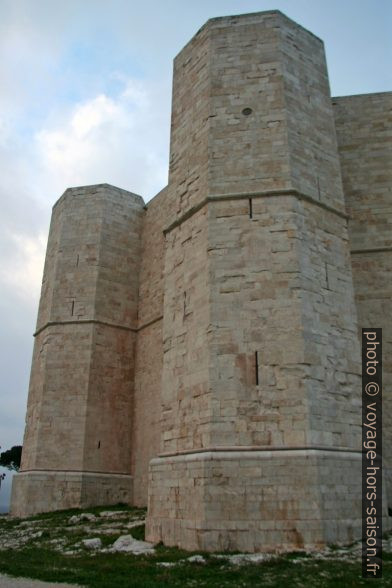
x=94, y=543
x=196, y=559
x=244, y=558
x=126, y=543
x=85, y=516
x=111, y=514
x=135, y=523
x=109, y=531
x=237, y=559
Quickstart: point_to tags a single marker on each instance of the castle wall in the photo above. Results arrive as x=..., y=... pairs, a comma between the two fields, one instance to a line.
x=288, y=266
x=248, y=153
x=190, y=123
x=259, y=328
x=312, y=147
x=146, y=422
x=78, y=430
x=146, y=431
x=250, y=500
x=364, y=131
x=203, y=349
x=185, y=378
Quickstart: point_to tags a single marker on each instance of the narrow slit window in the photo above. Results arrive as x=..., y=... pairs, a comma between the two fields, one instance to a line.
x=250, y=208
x=257, y=368
x=326, y=276
x=72, y=307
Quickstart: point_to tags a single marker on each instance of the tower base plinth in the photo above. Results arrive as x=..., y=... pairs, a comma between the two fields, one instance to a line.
x=272, y=500
x=44, y=491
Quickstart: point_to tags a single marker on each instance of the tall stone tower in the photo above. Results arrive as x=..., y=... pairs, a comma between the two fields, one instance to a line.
x=201, y=353
x=260, y=386
x=364, y=131
x=77, y=445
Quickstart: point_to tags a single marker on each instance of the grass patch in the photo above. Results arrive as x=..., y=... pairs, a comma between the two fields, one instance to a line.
x=43, y=558
x=138, y=532
x=123, y=571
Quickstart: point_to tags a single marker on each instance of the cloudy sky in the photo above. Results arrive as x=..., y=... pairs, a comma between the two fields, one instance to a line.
x=85, y=98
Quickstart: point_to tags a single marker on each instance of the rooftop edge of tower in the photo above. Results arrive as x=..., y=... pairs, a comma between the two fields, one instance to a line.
x=217, y=21
x=94, y=188
x=364, y=96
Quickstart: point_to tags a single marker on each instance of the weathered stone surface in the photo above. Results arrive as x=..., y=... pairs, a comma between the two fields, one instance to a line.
x=78, y=426
x=364, y=131
x=259, y=321
x=255, y=500
x=126, y=543
x=213, y=332
x=85, y=516
x=94, y=543
x=42, y=491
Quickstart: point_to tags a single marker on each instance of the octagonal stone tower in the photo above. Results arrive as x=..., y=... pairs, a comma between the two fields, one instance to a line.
x=260, y=444
x=77, y=445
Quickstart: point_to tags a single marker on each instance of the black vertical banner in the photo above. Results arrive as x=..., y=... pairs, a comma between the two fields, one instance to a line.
x=371, y=453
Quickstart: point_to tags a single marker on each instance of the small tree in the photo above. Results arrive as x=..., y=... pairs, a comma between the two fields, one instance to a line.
x=10, y=459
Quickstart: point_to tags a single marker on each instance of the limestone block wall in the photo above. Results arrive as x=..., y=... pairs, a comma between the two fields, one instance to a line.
x=189, y=155
x=286, y=354
x=259, y=327
x=146, y=419
x=80, y=398
x=185, y=377
x=253, y=501
x=331, y=349
x=248, y=152
x=146, y=422
x=364, y=131
x=312, y=147
x=213, y=332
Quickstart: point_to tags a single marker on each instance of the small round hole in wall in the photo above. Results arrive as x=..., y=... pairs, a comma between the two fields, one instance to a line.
x=247, y=111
